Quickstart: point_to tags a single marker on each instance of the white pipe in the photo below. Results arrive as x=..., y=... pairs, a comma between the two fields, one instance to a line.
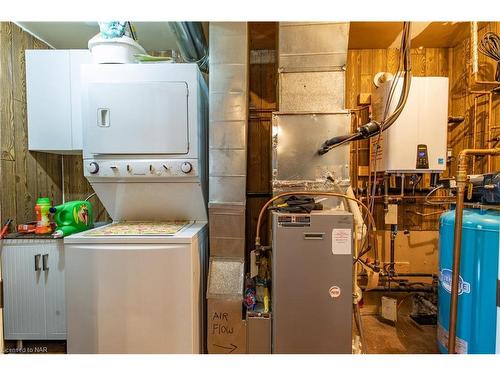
x=359, y=225
x=475, y=64
x=360, y=232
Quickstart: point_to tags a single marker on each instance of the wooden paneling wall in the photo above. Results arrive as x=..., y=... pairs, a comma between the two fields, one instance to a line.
x=76, y=186
x=26, y=175
x=262, y=87
x=462, y=102
x=362, y=65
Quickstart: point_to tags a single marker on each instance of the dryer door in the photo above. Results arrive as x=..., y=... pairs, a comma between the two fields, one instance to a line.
x=137, y=118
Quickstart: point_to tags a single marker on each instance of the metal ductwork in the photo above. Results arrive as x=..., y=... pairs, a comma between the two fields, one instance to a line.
x=191, y=42
x=311, y=97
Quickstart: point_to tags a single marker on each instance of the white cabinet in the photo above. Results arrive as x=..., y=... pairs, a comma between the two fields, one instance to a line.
x=54, y=99
x=33, y=289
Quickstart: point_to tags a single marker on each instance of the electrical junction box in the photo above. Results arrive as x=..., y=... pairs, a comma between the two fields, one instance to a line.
x=389, y=309
x=416, y=142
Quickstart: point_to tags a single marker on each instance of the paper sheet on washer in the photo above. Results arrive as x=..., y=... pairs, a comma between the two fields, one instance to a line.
x=142, y=228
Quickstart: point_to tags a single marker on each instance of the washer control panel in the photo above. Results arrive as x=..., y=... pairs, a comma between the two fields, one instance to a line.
x=141, y=168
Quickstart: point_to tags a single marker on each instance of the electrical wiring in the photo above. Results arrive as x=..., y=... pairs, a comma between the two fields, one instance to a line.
x=403, y=62
x=490, y=46
x=415, y=184
x=90, y=196
x=439, y=203
x=373, y=128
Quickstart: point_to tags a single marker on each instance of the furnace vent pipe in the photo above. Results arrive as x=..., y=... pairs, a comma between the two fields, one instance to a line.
x=191, y=42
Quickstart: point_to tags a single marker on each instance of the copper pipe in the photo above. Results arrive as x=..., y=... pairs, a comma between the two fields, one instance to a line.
x=310, y=193
x=358, y=119
x=479, y=92
x=415, y=197
x=474, y=49
x=426, y=214
x=474, y=130
x=360, y=108
x=461, y=178
x=488, y=83
x=386, y=192
x=488, y=131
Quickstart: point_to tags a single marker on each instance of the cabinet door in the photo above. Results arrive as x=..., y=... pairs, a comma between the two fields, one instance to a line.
x=49, y=100
x=78, y=57
x=24, y=305
x=54, y=292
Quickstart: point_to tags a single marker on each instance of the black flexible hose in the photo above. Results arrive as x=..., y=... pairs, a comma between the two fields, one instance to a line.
x=490, y=46
x=374, y=128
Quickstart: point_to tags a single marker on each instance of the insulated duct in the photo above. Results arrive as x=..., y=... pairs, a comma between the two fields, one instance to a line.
x=191, y=42
x=228, y=117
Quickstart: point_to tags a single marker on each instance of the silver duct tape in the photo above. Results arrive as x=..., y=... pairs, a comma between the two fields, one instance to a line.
x=227, y=189
x=228, y=134
x=228, y=116
x=263, y=56
x=228, y=77
x=312, y=45
x=224, y=162
x=320, y=174
x=227, y=247
x=312, y=91
x=225, y=278
x=296, y=141
x=228, y=43
x=227, y=221
x=228, y=106
x=227, y=230
x=305, y=185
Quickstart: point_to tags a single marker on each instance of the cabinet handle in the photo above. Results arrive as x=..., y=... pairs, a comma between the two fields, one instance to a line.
x=37, y=262
x=45, y=260
x=103, y=117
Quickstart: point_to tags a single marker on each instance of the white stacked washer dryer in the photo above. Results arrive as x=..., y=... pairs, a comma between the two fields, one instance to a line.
x=145, y=155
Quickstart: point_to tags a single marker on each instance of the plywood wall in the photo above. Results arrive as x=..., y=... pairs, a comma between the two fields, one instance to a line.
x=26, y=175
x=76, y=186
x=462, y=102
x=362, y=65
x=262, y=88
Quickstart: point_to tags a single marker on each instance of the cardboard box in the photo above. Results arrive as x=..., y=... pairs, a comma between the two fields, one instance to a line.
x=258, y=333
x=226, y=328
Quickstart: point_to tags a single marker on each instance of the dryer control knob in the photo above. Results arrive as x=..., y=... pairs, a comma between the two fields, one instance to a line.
x=93, y=167
x=186, y=167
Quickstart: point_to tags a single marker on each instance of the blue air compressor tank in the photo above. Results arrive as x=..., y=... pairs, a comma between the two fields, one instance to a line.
x=479, y=273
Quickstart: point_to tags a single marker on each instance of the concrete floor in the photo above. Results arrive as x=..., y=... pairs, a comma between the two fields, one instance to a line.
x=405, y=337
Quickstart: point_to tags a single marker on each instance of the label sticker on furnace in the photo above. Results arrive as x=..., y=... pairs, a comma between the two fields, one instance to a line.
x=341, y=241
x=334, y=291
